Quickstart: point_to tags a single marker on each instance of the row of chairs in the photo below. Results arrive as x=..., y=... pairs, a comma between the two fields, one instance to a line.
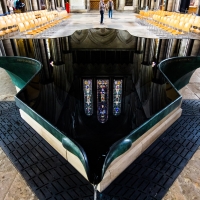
x=172, y=26
x=30, y=24
x=171, y=22
x=149, y=14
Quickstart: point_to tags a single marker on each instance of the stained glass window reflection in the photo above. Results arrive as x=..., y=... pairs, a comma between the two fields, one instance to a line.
x=102, y=100
x=88, y=100
x=117, y=96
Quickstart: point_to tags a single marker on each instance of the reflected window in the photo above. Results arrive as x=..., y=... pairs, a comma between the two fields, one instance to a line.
x=88, y=100
x=117, y=96
x=102, y=100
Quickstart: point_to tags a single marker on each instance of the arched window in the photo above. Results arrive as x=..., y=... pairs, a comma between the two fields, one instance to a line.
x=117, y=96
x=102, y=100
x=88, y=99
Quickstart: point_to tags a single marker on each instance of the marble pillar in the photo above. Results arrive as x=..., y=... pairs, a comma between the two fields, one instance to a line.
x=135, y=6
x=170, y=5
x=39, y=5
x=47, y=4
x=177, y=4
x=121, y=5
x=8, y=47
x=28, y=6
x=53, y=5
x=142, y=4
x=4, y=7
x=196, y=48
x=34, y=4
x=88, y=5
x=62, y=4
x=152, y=5
x=156, y=5
x=198, y=8
x=58, y=3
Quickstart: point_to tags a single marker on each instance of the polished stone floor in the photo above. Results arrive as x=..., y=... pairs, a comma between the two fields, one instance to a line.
x=126, y=20
x=14, y=187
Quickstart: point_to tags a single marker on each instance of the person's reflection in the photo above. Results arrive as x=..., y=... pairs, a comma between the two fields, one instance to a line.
x=154, y=68
x=51, y=68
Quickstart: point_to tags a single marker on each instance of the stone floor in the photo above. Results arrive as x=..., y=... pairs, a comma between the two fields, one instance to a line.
x=14, y=187
x=120, y=20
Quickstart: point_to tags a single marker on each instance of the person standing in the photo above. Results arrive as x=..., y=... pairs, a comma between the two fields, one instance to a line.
x=110, y=6
x=102, y=8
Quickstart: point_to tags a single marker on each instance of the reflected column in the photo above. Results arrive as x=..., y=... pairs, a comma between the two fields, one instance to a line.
x=40, y=54
x=2, y=50
x=173, y=49
x=55, y=50
x=195, y=48
x=184, y=47
x=8, y=47
x=162, y=49
x=149, y=51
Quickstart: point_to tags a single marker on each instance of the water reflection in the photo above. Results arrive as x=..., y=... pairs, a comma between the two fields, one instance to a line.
x=96, y=101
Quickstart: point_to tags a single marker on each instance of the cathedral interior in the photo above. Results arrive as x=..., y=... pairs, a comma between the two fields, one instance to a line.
x=100, y=90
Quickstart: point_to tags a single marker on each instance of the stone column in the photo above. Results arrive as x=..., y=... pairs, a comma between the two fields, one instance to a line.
x=58, y=3
x=53, y=5
x=39, y=5
x=4, y=6
x=198, y=8
x=62, y=3
x=170, y=5
x=8, y=47
x=195, y=48
x=177, y=4
x=34, y=4
x=47, y=4
x=152, y=5
x=28, y=6
x=135, y=6
x=157, y=4
x=121, y=5
x=88, y=5
x=142, y=4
